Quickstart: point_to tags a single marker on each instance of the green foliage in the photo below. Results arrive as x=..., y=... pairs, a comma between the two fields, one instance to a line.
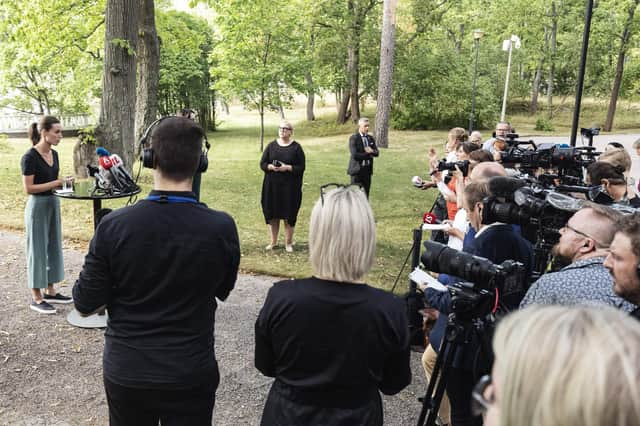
x=433, y=90
x=123, y=44
x=186, y=44
x=544, y=124
x=49, y=54
x=87, y=135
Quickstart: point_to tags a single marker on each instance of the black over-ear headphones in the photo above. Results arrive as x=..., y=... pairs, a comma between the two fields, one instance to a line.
x=147, y=156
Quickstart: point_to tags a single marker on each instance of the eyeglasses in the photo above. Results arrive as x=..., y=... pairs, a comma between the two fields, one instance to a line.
x=567, y=226
x=479, y=402
x=330, y=186
x=285, y=128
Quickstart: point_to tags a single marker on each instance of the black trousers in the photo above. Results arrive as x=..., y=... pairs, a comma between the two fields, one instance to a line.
x=142, y=407
x=460, y=384
x=363, y=178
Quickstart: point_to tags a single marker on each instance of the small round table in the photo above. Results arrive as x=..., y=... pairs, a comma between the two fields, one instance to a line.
x=84, y=190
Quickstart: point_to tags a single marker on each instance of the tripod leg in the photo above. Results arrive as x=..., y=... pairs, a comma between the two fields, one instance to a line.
x=437, y=384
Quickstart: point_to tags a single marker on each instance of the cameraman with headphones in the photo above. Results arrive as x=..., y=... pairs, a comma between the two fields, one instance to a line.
x=623, y=261
x=158, y=267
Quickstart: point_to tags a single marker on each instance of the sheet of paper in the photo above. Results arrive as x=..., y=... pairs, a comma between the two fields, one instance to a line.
x=421, y=277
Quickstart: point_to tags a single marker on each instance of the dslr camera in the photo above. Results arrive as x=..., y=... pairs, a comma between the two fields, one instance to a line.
x=462, y=165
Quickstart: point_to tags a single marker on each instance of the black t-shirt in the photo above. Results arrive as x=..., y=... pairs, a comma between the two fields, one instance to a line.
x=34, y=165
x=159, y=267
x=320, y=335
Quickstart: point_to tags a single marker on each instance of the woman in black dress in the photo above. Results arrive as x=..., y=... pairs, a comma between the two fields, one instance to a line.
x=331, y=341
x=283, y=164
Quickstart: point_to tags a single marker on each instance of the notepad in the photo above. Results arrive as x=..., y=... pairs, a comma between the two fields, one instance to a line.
x=421, y=277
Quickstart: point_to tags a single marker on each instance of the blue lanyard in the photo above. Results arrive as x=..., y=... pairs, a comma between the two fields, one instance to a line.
x=171, y=199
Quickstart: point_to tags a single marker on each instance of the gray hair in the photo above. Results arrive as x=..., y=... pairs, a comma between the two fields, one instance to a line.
x=570, y=366
x=342, y=236
x=362, y=120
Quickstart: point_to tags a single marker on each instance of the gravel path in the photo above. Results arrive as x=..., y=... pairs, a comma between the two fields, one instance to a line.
x=50, y=372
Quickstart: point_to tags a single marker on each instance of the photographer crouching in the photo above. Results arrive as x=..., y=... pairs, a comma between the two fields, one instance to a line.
x=496, y=242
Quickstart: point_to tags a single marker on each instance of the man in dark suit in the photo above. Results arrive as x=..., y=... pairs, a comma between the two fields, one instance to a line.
x=363, y=148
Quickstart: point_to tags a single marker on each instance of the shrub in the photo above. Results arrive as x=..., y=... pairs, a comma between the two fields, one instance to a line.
x=544, y=124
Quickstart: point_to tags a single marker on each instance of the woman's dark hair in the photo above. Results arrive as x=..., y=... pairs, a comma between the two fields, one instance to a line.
x=468, y=147
x=603, y=170
x=480, y=156
x=45, y=123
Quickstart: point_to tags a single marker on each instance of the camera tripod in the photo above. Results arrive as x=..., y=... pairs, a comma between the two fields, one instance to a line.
x=459, y=332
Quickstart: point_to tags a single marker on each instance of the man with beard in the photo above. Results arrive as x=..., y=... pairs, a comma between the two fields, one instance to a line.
x=623, y=261
x=583, y=245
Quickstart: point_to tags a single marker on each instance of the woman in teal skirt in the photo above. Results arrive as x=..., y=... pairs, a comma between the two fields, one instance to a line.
x=40, y=168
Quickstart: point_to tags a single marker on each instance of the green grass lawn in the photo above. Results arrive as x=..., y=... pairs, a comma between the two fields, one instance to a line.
x=234, y=179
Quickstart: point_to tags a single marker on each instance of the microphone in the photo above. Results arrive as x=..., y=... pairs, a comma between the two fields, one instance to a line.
x=430, y=219
x=119, y=173
x=101, y=152
x=417, y=181
x=105, y=162
x=503, y=186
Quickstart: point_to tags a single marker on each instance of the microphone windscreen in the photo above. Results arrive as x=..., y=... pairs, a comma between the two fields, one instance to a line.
x=430, y=218
x=100, y=151
x=503, y=186
x=105, y=162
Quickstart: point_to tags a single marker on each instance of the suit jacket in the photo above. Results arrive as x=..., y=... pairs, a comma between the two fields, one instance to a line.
x=358, y=155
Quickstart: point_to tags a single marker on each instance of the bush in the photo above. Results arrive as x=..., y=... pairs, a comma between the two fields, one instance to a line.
x=432, y=90
x=544, y=124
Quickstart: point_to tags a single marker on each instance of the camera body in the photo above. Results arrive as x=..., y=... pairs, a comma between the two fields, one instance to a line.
x=474, y=296
x=462, y=165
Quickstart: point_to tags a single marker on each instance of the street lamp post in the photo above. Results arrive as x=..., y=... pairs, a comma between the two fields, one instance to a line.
x=477, y=35
x=508, y=44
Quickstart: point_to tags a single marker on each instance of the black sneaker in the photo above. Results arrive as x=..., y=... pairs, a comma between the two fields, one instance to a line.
x=42, y=307
x=58, y=298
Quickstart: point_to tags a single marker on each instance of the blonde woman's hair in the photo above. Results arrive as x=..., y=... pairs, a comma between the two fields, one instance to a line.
x=286, y=123
x=569, y=366
x=459, y=134
x=342, y=236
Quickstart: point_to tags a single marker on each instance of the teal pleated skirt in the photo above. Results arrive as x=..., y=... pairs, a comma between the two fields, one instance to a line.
x=44, y=241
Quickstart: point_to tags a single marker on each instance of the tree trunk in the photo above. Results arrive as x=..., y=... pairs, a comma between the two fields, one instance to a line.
x=344, y=103
x=115, y=130
x=552, y=58
x=310, y=96
x=354, y=76
x=535, y=90
x=624, y=43
x=261, y=111
x=148, y=69
x=385, y=76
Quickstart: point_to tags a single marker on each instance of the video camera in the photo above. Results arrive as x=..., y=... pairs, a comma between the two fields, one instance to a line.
x=462, y=165
x=549, y=155
x=474, y=297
